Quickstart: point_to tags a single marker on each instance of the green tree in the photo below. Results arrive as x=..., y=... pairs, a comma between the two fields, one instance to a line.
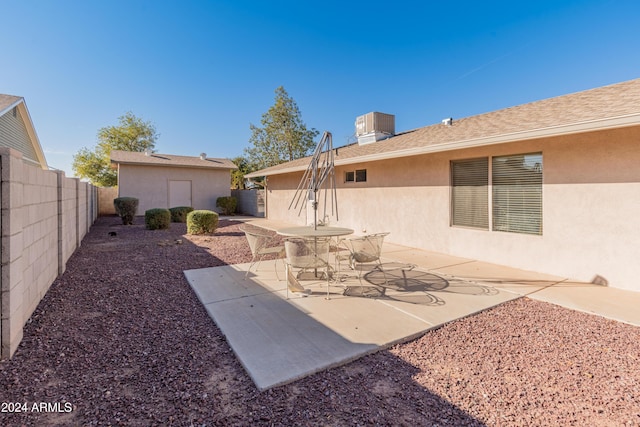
x=283, y=136
x=237, y=175
x=132, y=134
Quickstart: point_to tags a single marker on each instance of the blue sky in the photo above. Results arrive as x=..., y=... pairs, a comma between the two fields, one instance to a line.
x=202, y=71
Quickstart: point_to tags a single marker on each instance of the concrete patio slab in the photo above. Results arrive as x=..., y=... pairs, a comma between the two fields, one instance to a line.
x=425, y=259
x=498, y=276
x=279, y=340
x=616, y=304
x=510, y=279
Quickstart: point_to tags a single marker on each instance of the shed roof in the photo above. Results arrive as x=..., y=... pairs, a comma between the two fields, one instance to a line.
x=606, y=107
x=157, y=159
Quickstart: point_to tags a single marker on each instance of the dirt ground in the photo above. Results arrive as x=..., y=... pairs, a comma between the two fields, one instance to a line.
x=121, y=339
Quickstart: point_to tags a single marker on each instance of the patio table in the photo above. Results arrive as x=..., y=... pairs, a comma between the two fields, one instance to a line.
x=310, y=231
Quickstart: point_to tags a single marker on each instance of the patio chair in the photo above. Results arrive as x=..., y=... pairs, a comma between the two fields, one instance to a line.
x=366, y=250
x=309, y=256
x=260, y=247
x=340, y=253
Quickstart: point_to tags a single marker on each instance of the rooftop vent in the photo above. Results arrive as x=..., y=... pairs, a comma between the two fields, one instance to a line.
x=203, y=156
x=374, y=126
x=448, y=122
x=147, y=152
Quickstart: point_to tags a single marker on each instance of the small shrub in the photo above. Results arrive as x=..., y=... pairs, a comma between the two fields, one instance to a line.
x=179, y=213
x=126, y=208
x=201, y=222
x=227, y=204
x=157, y=219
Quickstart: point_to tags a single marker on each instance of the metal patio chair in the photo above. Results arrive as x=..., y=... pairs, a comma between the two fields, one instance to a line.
x=260, y=245
x=366, y=250
x=311, y=257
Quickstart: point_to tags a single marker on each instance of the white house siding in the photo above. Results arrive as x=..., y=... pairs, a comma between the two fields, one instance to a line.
x=591, y=206
x=150, y=185
x=13, y=134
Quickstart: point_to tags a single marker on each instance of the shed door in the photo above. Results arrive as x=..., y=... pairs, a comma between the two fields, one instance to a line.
x=179, y=193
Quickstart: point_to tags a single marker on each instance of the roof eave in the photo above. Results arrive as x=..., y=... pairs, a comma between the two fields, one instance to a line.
x=547, y=132
x=134, y=163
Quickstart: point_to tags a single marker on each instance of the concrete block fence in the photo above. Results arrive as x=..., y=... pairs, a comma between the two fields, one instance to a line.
x=250, y=202
x=43, y=219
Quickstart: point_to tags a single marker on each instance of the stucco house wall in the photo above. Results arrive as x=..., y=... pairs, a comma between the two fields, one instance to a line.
x=167, y=180
x=150, y=184
x=591, y=208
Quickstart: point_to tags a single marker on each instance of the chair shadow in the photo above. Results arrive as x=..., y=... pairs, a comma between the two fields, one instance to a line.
x=415, y=287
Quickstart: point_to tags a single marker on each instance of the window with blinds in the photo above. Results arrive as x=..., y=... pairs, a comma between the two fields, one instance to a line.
x=469, y=193
x=517, y=193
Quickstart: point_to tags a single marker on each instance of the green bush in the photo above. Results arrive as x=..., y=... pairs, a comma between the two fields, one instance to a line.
x=157, y=219
x=201, y=222
x=227, y=204
x=126, y=208
x=179, y=213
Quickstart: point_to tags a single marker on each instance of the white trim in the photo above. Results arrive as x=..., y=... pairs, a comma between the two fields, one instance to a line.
x=24, y=113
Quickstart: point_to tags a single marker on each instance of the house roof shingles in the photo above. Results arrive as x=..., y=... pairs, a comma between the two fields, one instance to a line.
x=605, y=107
x=7, y=101
x=157, y=159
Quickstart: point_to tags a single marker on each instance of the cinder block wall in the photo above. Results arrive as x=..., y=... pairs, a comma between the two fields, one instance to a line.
x=43, y=219
x=68, y=219
x=250, y=202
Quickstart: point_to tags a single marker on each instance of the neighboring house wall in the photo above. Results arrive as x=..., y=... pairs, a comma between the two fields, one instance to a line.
x=44, y=217
x=150, y=185
x=250, y=202
x=13, y=134
x=591, y=208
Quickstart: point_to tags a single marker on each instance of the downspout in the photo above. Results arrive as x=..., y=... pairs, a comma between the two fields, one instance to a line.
x=266, y=197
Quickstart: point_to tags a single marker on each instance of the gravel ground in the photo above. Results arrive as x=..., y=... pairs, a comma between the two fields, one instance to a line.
x=120, y=339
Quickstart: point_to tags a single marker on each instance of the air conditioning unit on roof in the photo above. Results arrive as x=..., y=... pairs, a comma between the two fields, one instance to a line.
x=374, y=126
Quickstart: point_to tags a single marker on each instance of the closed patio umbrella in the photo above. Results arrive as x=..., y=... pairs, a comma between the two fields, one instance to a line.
x=318, y=178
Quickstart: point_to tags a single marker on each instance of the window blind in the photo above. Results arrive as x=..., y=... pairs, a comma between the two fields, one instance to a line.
x=470, y=194
x=517, y=193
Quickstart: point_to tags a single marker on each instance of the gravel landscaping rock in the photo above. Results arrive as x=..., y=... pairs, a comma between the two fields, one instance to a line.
x=121, y=339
